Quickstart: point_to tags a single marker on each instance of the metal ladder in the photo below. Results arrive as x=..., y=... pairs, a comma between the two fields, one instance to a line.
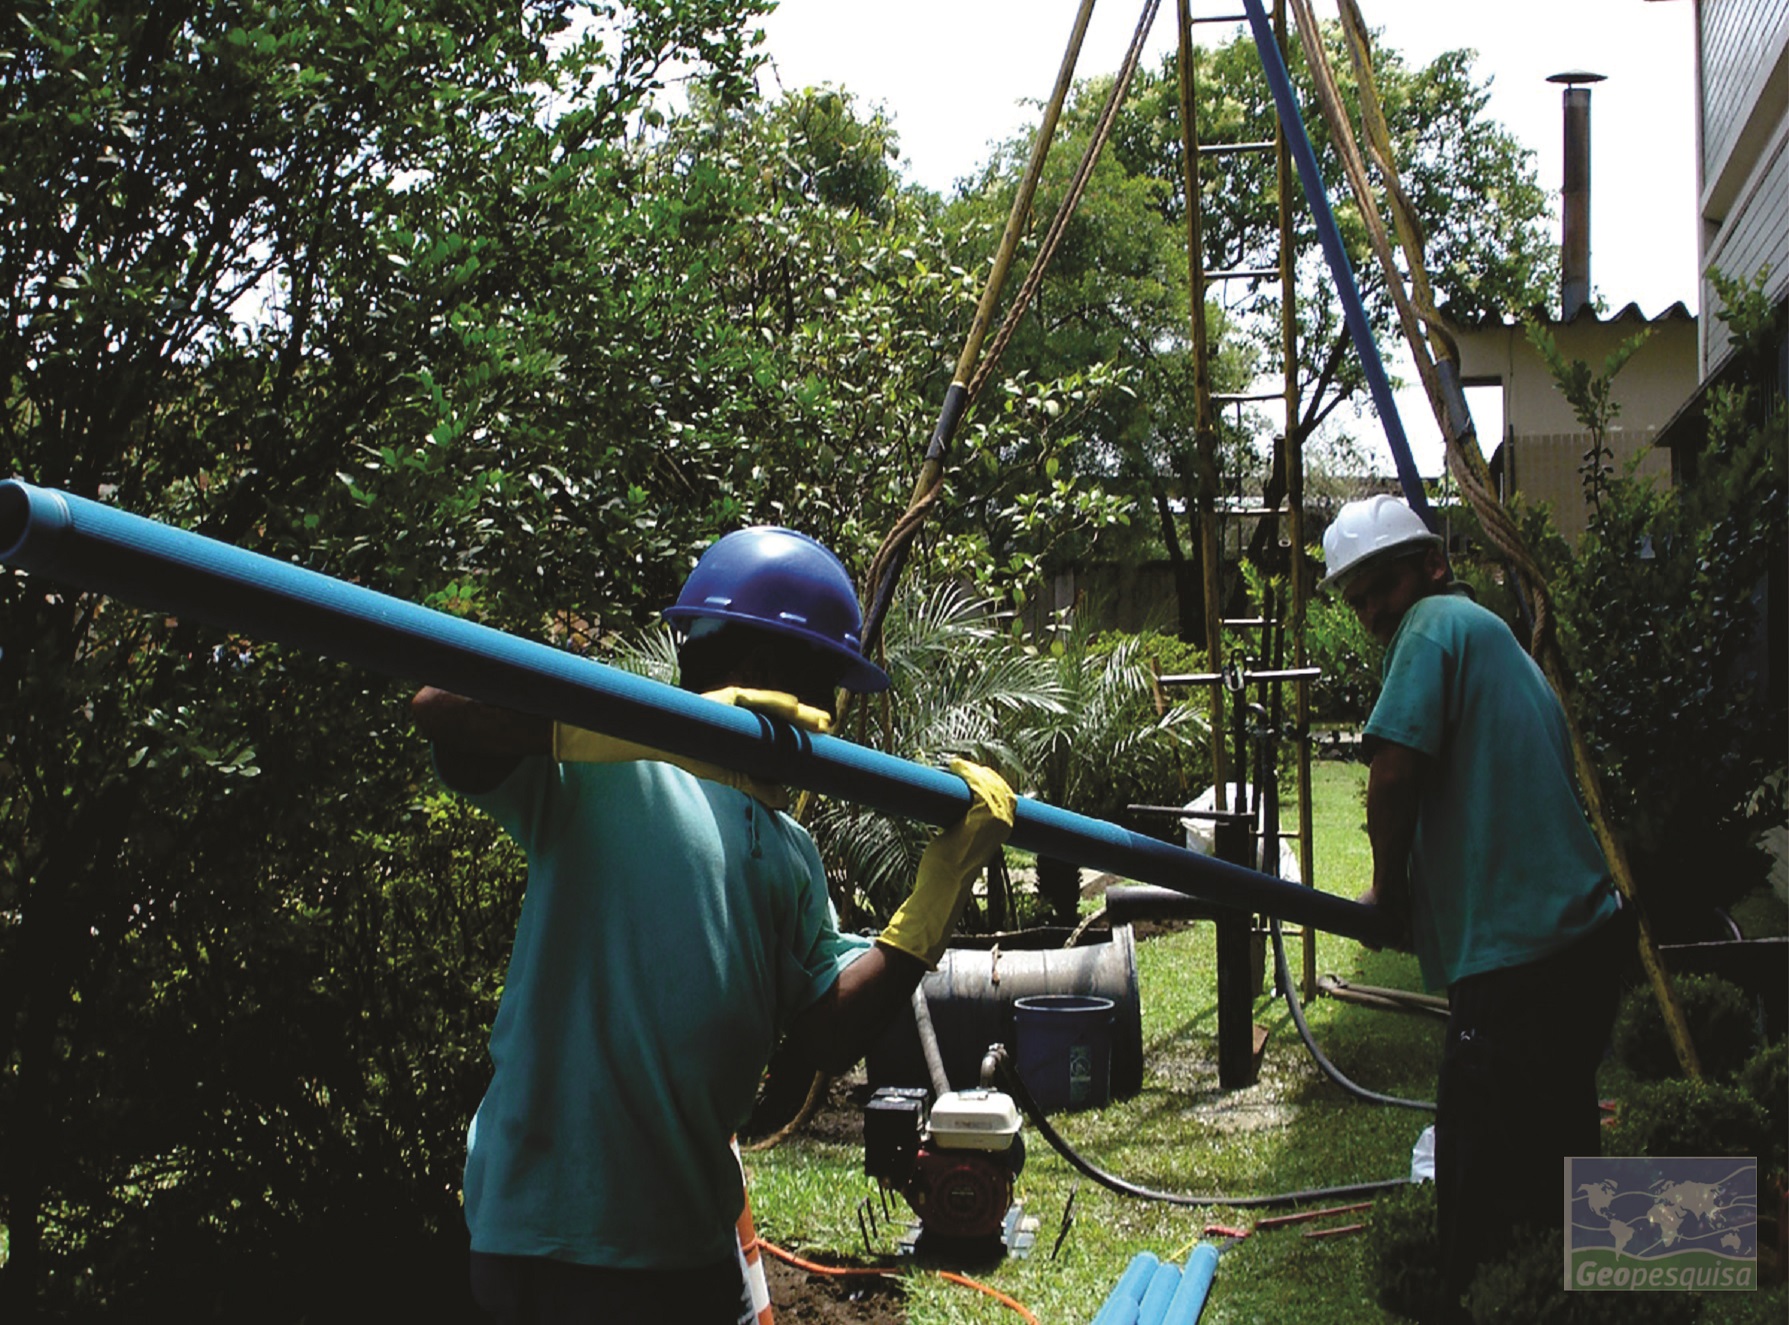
x=1266, y=650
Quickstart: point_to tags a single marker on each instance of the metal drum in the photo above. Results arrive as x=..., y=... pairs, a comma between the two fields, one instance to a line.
x=971, y=996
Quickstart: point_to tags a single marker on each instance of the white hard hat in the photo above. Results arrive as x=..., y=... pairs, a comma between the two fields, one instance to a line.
x=1363, y=531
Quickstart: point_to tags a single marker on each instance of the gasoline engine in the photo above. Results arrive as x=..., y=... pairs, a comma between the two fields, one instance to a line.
x=955, y=1163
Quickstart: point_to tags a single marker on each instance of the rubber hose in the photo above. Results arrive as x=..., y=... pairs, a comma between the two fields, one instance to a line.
x=928, y=1041
x=1282, y=973
x=1346, y=993
x=1016, y=1086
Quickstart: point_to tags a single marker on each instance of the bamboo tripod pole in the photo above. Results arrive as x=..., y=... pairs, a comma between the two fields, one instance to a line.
x=1440, y=378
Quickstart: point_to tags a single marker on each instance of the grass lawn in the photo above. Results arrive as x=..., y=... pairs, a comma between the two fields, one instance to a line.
x=1293, y=1130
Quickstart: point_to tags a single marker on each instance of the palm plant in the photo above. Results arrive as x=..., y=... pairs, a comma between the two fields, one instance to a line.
x=963, y=686
x=650, y=653
x=1113, y=742
x=1073, y=722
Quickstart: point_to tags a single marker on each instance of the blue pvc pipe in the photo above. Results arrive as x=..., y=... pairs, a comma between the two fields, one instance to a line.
x=1163, y=1284
x=1353, y=311
x=157, y=567
x=1127, y=1294
x=1195, y=1286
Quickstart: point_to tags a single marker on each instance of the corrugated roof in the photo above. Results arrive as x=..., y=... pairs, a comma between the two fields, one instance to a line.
x=1630, y=314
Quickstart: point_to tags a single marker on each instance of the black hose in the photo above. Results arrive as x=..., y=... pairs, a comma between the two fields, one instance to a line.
x=1016, y=1085
x=1269, y=781
x=1282, y=973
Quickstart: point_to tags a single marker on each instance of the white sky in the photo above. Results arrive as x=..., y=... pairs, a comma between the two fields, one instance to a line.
x=954, y=76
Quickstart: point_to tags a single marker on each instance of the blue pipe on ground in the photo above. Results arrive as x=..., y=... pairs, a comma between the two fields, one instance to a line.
x=159, y=568
x=1163, y=1284
x=1360, y=330
x=1123, y=1302
x=1195, y=1286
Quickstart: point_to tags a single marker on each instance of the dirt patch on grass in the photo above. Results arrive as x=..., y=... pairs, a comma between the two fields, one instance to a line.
x=800, y=1296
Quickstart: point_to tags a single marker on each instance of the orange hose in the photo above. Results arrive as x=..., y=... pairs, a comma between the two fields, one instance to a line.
x=814, y=1267
x=994, y=1293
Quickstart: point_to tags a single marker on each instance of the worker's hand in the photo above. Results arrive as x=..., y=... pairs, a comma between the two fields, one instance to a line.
x=1394, y=923
x=950, y=866
x=574, y=745
x=775, y=704
x=1370, y=898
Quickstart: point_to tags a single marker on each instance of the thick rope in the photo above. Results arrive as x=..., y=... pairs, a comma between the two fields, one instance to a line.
x=1421, y=324
x=1102, y=133
x=885, y=567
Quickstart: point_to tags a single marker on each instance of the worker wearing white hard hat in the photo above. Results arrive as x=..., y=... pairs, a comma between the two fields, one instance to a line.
x=1371, y=531
x=1481, y=849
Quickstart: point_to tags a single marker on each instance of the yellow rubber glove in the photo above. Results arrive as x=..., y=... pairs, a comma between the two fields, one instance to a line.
x=950, y=866
x=575, y=745
x=775, y=704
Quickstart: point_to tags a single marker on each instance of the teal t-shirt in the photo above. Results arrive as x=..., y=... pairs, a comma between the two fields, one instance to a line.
x=1504, y=868
x=670, y=930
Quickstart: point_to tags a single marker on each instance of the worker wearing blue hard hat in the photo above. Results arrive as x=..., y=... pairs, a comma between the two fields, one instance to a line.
x=781, y=583
x=676, y=926
x=1483, y=856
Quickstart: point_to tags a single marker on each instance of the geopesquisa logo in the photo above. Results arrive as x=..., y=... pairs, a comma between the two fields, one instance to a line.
x=1661, y=1224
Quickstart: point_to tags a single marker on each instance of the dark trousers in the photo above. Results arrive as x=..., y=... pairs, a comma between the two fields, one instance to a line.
x=530, y=1290
x=1518, y=1095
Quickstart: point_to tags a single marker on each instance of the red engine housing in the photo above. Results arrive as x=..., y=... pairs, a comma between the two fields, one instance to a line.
x=960, y=1193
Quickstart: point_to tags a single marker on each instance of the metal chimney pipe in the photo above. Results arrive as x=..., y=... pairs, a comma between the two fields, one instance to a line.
x=1574, y=211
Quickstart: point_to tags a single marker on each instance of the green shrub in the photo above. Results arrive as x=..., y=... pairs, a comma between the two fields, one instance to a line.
x=1761, y=914
x=1767, y=1306
x=1170, y=654
x=1659, y=609
x=1407, y=1273
x=1680, y=1117
x=1722, y=1020
x=1526, y=1288
x=1336, y=642
x=1765, y=1077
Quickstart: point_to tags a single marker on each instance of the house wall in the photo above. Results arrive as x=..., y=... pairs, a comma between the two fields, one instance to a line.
x=1734, y=34
x=1544, y=467
x=1743, y=81
x=1543, y=442
x=1754, y=235
x=1658, y=379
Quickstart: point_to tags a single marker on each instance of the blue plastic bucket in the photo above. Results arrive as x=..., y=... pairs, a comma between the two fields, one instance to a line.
x=1063, y=1044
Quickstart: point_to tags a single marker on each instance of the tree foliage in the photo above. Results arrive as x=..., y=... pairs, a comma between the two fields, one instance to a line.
x=270, y=272
x=1667, y=608
x=1117, y=291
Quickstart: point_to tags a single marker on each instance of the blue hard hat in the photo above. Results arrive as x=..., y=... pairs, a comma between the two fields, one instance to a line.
x=786, y=583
